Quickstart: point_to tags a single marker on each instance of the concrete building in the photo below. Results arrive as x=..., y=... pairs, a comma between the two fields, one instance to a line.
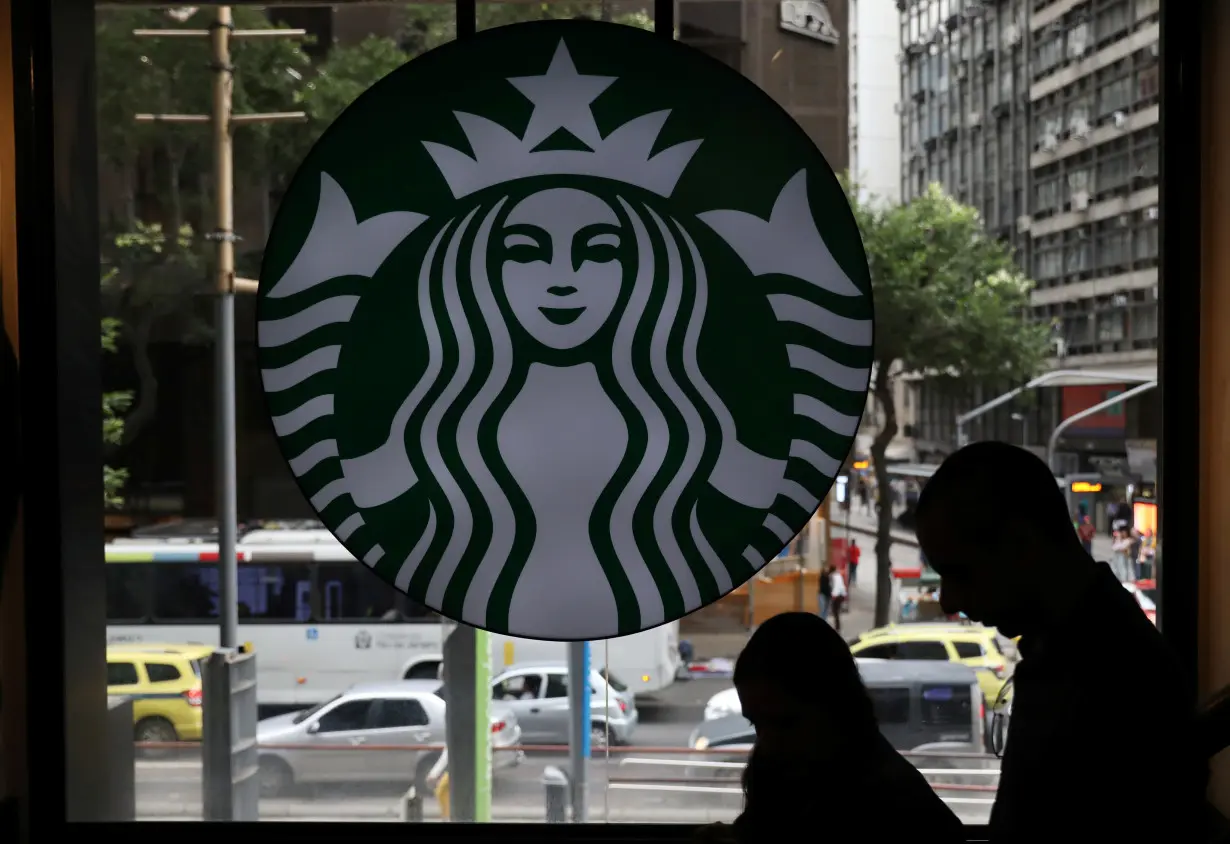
x=875, y=96
x=1043, y=115
x=875, y=162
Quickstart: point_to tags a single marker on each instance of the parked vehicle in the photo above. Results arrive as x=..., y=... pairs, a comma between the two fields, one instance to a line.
x=726, y=702
x=538, y=694
x=164, y=683
x=981, y=648
x=402, y=712
x=920, y=705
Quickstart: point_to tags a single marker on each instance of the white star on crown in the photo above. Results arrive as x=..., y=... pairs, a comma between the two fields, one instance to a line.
x=562, y=99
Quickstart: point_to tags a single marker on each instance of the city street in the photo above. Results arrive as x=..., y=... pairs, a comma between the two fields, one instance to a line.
x=171, y=789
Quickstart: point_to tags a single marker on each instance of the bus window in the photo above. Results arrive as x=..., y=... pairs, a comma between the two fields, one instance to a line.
x=276, y=591
x=351, y=592
x=127, y=592
x=185, y=592
x=891, y=704
x=946, y=706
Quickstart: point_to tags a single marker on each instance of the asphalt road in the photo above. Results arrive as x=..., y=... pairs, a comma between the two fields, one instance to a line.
x=170, y=789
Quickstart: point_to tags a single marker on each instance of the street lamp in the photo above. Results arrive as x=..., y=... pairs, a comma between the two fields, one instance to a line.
x=1024, y=420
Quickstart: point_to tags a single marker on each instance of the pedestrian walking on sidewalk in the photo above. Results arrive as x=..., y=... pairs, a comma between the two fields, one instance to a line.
x=825, y=596
x=838, y=582
x=1087, y=531
x=853, y=553
x=1121, y=548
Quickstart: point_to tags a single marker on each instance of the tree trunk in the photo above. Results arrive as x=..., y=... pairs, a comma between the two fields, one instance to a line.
x=883, y=391
x=146, y=404
x=175, y=159
x=130, y=193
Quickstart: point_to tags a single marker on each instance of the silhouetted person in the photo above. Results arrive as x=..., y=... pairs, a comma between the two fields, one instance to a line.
x=994, y=525
x=818, y=744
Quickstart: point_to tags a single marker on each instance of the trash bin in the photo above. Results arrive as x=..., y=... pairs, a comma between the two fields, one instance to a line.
x=556, y=785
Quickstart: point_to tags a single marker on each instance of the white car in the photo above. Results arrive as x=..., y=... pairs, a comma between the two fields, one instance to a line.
x=726, y=702
x=332, y=742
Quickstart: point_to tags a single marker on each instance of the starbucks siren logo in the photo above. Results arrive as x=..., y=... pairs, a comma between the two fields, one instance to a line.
x=554, y=380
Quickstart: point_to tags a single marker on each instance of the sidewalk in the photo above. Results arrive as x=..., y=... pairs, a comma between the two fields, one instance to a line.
x=866, y=524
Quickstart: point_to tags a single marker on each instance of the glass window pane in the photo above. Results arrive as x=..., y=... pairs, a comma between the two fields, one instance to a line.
x=346, y=717
x=557, y=686
x=121, y=674
x=275, y=592
x=128, y=592
x=922, y=650
x=350, y=592
x=968, y=650
x=321, y=623
x=892, y=706
x=161, y=672
x=400, y=713
x=946, y=706
x=185, y=592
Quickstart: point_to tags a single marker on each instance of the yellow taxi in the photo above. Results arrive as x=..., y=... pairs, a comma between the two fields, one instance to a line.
x=991, y=655
x=164, y=683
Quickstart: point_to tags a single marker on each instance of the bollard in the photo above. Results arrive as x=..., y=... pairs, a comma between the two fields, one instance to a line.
x=555, y=784
x=412, y=806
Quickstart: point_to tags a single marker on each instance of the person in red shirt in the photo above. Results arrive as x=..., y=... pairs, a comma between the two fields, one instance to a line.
x=853, y=553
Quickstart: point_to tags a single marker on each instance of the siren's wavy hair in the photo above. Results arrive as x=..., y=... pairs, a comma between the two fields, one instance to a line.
x=653, y=377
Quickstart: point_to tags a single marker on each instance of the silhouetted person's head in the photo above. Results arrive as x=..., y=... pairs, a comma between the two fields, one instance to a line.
x=800, y=687
x=995, y=526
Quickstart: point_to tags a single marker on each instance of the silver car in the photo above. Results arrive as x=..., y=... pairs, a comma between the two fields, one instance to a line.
x=334, y=741
x=538, y=694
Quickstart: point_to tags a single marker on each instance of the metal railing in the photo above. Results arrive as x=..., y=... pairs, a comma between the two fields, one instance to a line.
x=657, y=784
x=724, y=785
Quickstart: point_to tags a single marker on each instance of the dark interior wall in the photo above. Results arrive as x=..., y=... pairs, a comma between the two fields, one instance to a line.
x=809, y=78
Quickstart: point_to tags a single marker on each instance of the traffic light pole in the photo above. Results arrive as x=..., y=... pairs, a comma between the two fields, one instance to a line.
x=222, y=121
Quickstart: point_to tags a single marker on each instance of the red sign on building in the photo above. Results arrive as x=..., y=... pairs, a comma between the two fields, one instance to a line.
x=1108, y=423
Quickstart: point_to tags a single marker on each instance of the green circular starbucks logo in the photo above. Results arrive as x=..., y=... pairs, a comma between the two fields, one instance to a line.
x=565, y=329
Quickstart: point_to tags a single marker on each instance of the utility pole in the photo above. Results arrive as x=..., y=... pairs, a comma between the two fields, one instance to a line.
x=222, y=121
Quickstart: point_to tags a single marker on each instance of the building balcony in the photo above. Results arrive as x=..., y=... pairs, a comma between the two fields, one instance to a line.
x=1107, y=56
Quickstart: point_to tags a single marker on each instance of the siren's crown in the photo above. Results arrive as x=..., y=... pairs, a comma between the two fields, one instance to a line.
x=562, y=99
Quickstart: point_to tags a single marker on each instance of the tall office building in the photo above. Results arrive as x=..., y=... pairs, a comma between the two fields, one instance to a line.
x=1043, y=115
x=875, y=95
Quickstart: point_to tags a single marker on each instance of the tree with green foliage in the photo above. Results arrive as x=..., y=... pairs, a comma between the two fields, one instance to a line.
x=153, y=283
x=113, y=406
x=329, y=87
x=949, y=300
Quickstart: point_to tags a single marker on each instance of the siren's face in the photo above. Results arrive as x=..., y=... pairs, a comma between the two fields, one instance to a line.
x=561, y=269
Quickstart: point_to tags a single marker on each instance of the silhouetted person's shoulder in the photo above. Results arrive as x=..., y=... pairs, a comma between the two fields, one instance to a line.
x=1102, y=717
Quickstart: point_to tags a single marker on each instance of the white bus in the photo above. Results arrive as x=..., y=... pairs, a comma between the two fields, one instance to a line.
x=318, y=619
